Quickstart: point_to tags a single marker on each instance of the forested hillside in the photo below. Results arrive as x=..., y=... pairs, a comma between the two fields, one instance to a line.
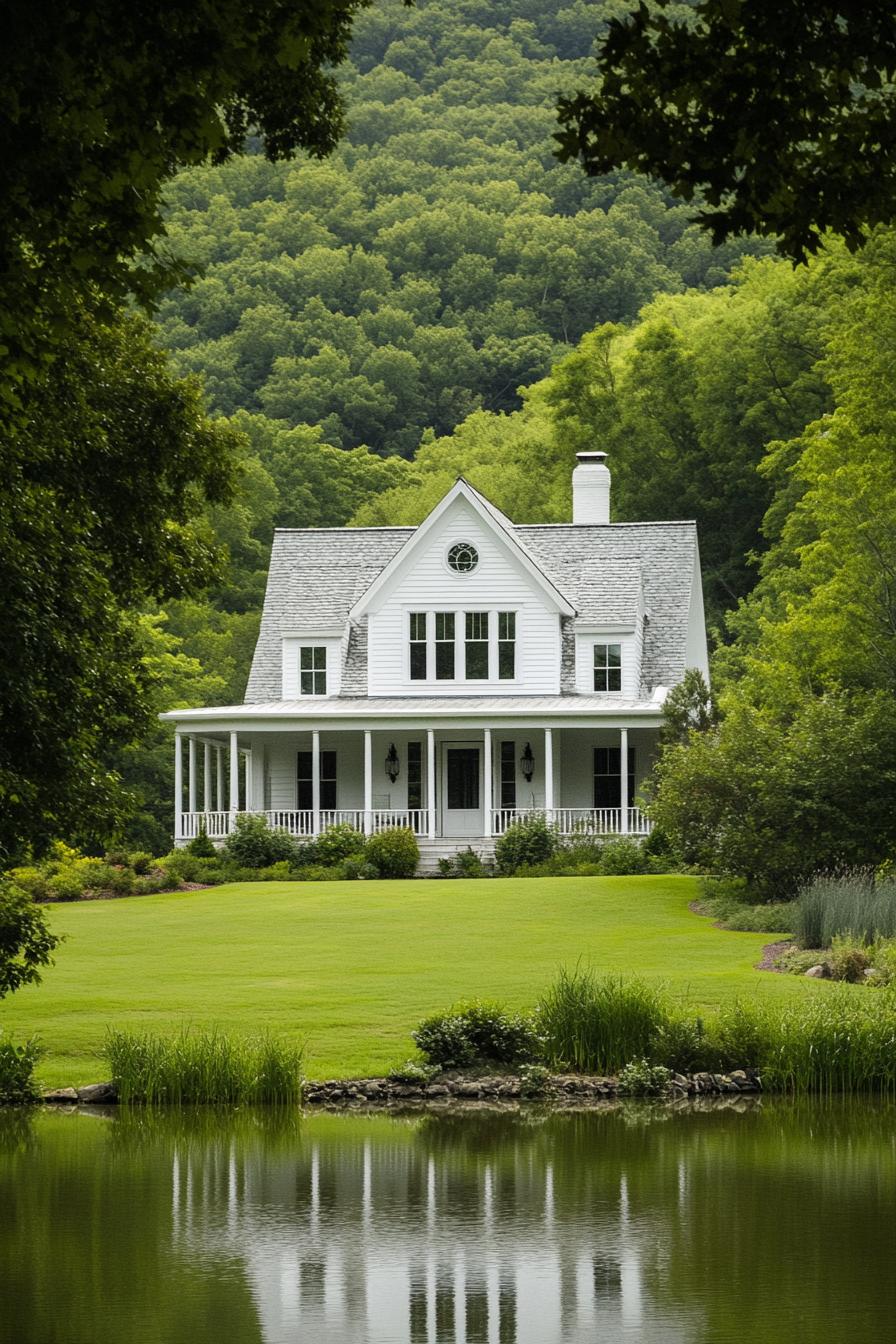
x=442, y=257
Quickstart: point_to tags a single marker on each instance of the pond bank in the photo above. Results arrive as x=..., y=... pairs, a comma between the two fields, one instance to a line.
x=387, y=1093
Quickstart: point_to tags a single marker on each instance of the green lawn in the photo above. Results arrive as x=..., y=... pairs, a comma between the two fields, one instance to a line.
x=350, y=967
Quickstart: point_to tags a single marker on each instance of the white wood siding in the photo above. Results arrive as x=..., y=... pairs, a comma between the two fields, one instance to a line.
x=499, y=583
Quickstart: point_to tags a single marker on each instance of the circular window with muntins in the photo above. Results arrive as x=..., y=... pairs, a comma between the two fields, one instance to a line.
x=463, y=557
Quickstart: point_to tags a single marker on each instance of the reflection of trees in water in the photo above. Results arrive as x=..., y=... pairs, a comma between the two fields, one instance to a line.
x=493, y=1228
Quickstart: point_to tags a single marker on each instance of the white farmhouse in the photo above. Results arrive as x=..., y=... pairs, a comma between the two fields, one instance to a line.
x=453, y=676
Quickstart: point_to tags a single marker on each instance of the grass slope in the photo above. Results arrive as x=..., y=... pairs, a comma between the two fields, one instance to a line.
x=351, y=967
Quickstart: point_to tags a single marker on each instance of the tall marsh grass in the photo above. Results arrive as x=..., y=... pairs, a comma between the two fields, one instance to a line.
x=832, y=1039
x=597, y=1024
x=851, y=902
x=838, y=1040
x=203, y=1067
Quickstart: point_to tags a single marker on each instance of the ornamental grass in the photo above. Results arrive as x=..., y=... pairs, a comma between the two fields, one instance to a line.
x=203, y=1067
x=851, y=902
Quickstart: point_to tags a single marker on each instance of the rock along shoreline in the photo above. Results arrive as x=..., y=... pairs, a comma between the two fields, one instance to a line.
x=388, y=1093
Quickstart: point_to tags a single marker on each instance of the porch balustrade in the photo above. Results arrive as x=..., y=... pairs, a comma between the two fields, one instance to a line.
x=569, y=821
x=300, y=822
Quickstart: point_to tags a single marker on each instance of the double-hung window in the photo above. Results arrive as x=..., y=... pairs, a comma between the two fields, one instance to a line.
x=608, y=667
x=418, y=645
x=608, y=776
x=305, y=780
x=313, y=670
x=476, y=646
x=461, y=646
x=444, y=646
x=506, y=645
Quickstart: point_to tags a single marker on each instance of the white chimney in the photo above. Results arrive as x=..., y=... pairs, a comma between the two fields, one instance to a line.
x=591, y=489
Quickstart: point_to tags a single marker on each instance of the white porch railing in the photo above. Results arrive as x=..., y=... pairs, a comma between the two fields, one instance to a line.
x=573, y=821
x=300, y=823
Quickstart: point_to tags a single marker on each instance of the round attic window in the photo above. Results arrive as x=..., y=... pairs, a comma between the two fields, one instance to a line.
x=463, y=557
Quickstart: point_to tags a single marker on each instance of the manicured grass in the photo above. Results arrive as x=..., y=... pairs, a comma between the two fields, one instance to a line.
x=350, y=967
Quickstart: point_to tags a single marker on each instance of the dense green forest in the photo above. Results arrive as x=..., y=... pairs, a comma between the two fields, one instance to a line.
x=442, y=296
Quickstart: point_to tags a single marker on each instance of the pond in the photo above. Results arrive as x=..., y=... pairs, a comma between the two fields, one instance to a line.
x=767, y=1222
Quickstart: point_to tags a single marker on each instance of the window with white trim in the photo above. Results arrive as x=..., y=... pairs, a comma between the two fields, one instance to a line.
x=476, y=646
x=506, y=645
x=313, y=669
x=462, y=646
x=445, y=646
x=418, y=645
x=608, y=667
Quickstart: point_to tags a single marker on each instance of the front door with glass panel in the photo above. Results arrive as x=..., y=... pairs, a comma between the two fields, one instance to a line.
x=461, y=789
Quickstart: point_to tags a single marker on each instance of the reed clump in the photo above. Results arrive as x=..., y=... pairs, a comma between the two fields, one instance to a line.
x=203, y=1067
x=833, y=1039
x=598, y=1024
x=853, y=902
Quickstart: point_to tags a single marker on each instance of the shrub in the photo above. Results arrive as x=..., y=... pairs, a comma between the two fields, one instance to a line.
x=596, y=1025
x=465, y=863
x=640, y=1078
x=67, y=885
x=393, y=853
x=620, y=858
x=17, y=1065
x=526, y=842
x=884, y=963
x=143, y=863
x=414, y=1073
x=277, y=872
x=477, y=1032
x=534, y=1079
x=337, y=843
x=204, y=1067
x=849, y=959
x=36, y=881
x=849, y=902
x=252, y=843
x=201, y=845
x=357, y=869
x=181, y=866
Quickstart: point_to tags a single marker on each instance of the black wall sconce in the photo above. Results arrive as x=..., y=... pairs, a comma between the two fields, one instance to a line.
x=393, y=765
x=527, y=764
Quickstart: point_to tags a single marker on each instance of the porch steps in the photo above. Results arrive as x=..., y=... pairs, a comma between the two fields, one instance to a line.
x=433, y=850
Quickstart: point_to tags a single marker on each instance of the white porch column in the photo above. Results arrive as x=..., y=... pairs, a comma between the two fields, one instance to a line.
x=234, y=774
x=219, y=790
x=247, y=774
x=487, y=781
x=549, y=774
x=623, y=780
x=178, y=786
x=206, y=777
x=431, y=782
x=315, y=782
x=191, y=781
x=368, y=781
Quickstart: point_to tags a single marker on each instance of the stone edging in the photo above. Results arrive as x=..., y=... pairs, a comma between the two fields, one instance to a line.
x=342, y=1093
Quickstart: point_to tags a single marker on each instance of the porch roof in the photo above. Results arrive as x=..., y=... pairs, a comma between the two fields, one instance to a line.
x=444, y=709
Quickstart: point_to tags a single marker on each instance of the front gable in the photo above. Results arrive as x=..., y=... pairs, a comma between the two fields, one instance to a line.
x=502, y=579
x=461, y=506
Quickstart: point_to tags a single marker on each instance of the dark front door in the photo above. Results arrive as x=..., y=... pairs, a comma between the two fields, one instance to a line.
x=461, y=791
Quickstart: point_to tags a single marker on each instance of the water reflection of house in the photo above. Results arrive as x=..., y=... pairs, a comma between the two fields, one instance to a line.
x=390, y=1244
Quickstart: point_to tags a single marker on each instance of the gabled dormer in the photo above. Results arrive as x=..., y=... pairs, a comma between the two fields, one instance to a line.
x=463, y=609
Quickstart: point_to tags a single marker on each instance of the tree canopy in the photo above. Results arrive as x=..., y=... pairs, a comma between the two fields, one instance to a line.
x=776, y=116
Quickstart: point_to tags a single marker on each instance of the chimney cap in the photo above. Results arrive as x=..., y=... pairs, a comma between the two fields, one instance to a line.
x=597, y=457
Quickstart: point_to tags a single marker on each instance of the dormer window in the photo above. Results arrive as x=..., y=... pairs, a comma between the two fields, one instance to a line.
x=313, y=669
x=463, y=557
x=608, y=667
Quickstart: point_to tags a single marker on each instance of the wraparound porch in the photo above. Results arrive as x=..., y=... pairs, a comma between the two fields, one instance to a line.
x=453, y=784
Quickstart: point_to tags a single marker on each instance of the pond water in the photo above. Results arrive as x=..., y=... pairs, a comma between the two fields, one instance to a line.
x=772, y=1222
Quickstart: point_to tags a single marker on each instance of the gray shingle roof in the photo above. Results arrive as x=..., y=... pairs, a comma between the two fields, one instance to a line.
x=317, y=575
